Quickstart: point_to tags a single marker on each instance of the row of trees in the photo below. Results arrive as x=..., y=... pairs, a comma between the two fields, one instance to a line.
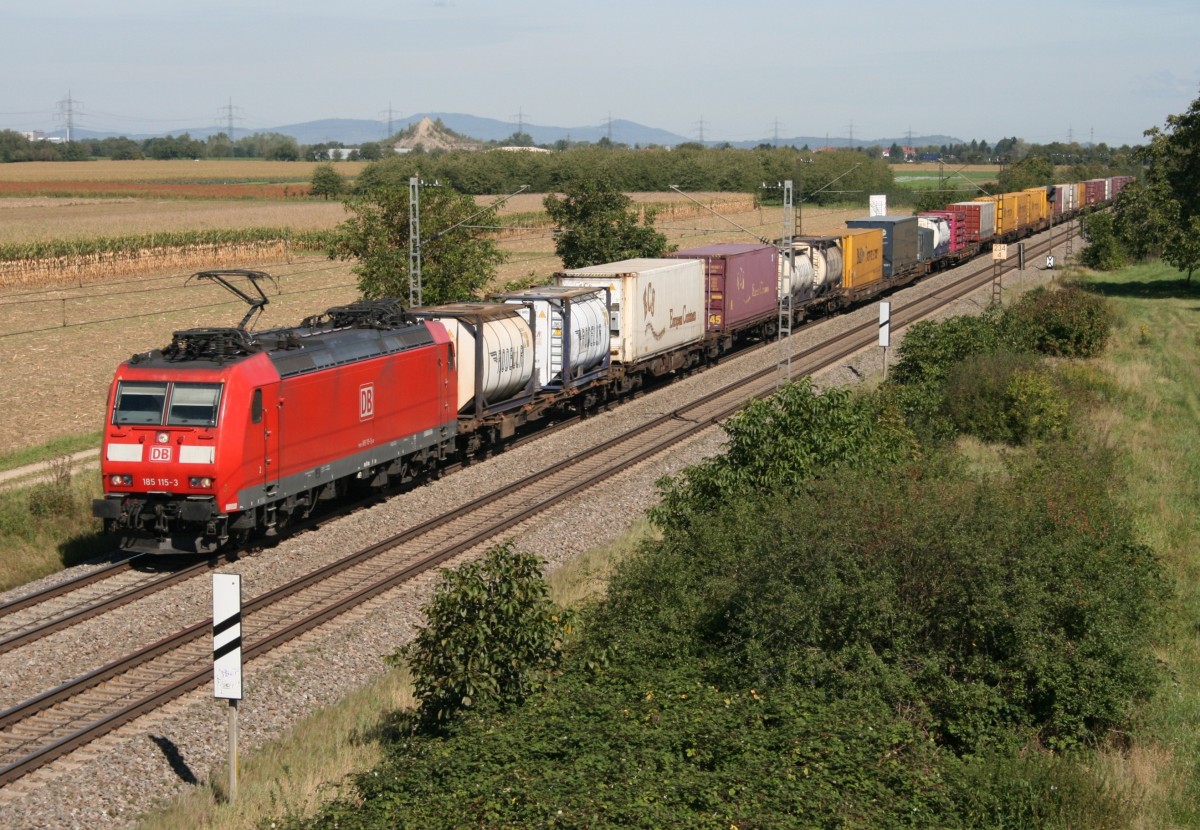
x=15, y=147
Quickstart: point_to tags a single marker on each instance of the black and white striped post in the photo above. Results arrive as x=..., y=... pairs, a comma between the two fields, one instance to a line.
x=885, y=324
x=227, y=657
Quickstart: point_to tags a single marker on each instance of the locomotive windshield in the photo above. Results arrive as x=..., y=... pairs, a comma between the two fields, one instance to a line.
x=194, y=404
x=140, y=403
x=144, y=403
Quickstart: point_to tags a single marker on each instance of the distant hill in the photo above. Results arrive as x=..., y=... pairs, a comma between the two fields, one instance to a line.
x=353, y=131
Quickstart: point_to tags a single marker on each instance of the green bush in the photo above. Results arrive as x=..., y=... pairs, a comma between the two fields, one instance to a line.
x=1103, y=251
x=780, y=442
x=930, y=348
x=1004, y=397
x=1065, y=322
x=492, y=635
x=977, y=398
x=1037, y=410
x=983, y=606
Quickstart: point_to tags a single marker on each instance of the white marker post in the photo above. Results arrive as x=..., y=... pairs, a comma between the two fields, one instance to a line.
x=885, y=325
x=227, y=657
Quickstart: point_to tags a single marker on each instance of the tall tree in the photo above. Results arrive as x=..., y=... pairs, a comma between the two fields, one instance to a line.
x=1174, y=158
x=598, y=223
x=1163, y=216
x=457, y=259
x=327, y=182
x=1183, y=248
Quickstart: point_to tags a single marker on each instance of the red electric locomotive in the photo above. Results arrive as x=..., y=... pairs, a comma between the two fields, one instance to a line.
x=227, y=432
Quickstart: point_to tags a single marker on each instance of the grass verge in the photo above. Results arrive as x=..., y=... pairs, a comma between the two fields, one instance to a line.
x=1154, y=417
x=47, y=526
x=67, y=445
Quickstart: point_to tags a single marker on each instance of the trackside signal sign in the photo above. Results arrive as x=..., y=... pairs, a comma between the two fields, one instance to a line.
x=227, y=636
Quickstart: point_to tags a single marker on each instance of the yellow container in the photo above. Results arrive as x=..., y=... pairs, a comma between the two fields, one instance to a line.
x=862, y=257
x=1009, y=209
x=1039, y=204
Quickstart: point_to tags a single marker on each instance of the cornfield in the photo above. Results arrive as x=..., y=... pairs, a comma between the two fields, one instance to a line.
x=79, y=261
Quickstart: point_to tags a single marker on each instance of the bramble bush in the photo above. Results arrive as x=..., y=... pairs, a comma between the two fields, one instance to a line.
x=838, y=627
x=979, y=375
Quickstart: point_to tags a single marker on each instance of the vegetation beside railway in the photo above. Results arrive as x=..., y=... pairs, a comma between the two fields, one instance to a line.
x=874, y=621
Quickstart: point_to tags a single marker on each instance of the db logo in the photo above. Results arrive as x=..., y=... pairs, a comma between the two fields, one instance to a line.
x=160, y=453
x=366, y=402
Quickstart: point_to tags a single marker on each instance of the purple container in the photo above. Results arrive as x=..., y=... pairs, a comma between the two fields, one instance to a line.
x=741, y=283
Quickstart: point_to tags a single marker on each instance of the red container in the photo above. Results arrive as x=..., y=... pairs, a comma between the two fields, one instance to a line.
x=1117, y=184
x=742, y=283
x=1095, y=191
x=979, y=220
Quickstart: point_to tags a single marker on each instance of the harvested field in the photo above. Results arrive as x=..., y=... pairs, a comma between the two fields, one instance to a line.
x=61, y=344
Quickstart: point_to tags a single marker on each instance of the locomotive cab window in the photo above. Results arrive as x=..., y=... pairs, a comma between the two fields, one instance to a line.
x=194, y=404
x=139, y=402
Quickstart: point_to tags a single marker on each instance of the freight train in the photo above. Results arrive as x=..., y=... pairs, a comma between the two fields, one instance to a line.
x=228, y=434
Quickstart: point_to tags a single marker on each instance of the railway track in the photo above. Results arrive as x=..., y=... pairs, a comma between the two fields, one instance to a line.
x=39, y=730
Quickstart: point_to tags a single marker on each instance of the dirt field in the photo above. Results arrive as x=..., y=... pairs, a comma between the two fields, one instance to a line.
x=59, y=346
x=174, y=170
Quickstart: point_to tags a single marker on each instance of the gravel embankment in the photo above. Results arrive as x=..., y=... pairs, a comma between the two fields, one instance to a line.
x=109, y=783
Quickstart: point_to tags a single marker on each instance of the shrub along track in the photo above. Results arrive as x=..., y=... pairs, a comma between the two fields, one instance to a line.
x=55, y=723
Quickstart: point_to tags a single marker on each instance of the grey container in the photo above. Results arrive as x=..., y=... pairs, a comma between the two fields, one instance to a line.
x=900, y=246
x=925, y=243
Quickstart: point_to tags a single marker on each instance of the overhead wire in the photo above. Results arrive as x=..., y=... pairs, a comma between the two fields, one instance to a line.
x=166, y=312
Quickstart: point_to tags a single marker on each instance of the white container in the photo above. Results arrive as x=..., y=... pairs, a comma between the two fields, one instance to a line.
x=493, y=347
x=1067, y=197
x=570, y=327
x=940, y=226
x=656, y=304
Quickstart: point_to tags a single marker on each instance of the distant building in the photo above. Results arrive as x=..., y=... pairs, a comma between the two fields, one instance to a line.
x=38, y=135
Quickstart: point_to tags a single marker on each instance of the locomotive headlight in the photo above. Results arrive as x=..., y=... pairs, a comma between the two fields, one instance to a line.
x=201, y=482
x=162, y=437
x=119, y=480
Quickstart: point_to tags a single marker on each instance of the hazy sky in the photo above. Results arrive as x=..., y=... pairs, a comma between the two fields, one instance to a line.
x=1089, y=69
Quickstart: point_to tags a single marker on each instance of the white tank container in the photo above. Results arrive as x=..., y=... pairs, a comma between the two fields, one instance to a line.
x=570, y=329
x=656, y=304
x=493, y=347
x=826, y=262
x=800, y=280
